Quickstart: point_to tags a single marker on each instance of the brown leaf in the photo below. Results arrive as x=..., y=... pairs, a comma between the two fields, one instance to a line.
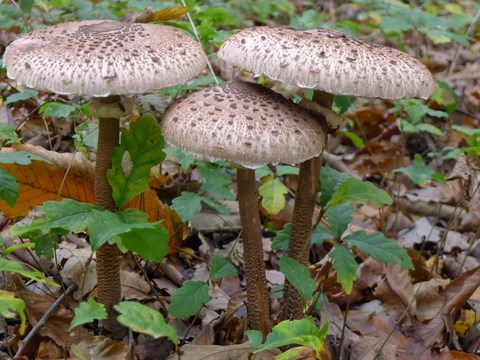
x=101, y=348
x=168, y=14
x=216, y=352
x=133, y=286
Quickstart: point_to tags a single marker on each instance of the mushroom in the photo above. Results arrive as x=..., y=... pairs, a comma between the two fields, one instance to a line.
x=250, y=126
x=332, y=63
x=104, y=60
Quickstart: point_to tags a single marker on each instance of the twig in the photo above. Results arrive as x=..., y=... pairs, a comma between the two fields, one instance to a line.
x=71, y=288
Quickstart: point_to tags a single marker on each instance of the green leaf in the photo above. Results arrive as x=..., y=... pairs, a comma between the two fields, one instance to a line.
x=354, y=138
x=8, y=134
x=321, y=233
x=8, y=187
x=143, y=319
x=217, y=182
x=280, y=242
x=20, y=157
x=87, y=312
x=140, y=149
x=299, y=276
x=220, y=268
x=187, y=205
x=24, y=95
x=380, y=248
x=57, y=216
x=255, y=338
x=273, y=193
x=330, y=180
x=296, y=332
x=356, y=191
x=418, y=172
x=25, y=270
x=345, y=265
x=338, y=218
x=57, y=109
x=131, y=230
x=282, y=170
x=189, y=299
x=429, y=128
x=9, y=302
x=45, y=245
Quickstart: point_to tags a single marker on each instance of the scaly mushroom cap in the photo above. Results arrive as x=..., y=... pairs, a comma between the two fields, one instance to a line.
x=101, y=58
x=328, y=60
x=244, y=123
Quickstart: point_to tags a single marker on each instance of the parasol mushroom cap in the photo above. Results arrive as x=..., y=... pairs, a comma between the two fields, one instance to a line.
x=246, y=124
x=102, y=58
x=328, y=60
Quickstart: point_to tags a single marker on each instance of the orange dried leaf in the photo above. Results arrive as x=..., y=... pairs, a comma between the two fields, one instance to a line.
x=167, y=14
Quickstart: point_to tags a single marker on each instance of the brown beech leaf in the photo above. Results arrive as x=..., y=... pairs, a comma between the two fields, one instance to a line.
x=101, y=348
x=168, y=14
x=217, y=352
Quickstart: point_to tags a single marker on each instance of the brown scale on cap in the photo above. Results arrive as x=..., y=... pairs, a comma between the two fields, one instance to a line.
x=243, y=123
x=328, y=60
x=102, y=58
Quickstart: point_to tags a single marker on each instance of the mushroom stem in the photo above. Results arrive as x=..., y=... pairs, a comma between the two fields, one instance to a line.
x=108, y=271
x=257, y=292
x=301, y=230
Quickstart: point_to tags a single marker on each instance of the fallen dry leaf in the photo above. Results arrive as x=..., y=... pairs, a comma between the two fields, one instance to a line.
x=101, y=348
x=216, y=352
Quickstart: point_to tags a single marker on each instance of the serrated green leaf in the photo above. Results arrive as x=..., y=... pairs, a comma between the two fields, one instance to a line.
x=57, y=217
x=263, y=171
x=299, y=276
x=8, y=187
x=140, y=149
x=339, y=217
x=24, y=95
x=418, y=172
x=280, y=242
x=296, y=332
x=220, y=268
x=273, y=193
x=345, y=265
x=57, y=109
x=20, y=157
x=187, y=205
x=87, y=312
x=330, y=180
x=185, y=160
x=356, y=191
x=143, y=319
x=380, y=248
x=189, y=299
x=24, y=270
x=9, y=302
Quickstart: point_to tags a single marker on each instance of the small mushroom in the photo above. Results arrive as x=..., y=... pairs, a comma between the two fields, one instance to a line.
x=250, y=126
x=332, y=63
x=104, y=60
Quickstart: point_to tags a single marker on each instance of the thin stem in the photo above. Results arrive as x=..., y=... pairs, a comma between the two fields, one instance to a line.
x=257, y=291
x=108, y=271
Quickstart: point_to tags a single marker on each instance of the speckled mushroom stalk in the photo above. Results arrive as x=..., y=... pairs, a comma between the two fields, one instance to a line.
x=250, y=126
x=332, y=63
x=104, y=60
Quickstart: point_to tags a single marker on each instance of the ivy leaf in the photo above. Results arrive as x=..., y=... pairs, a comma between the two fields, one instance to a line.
x=330, y=180
x=273, y=193
x=418, y=172
x=143, y=319
x=187, y=205
x=355, y=191
x=345, y=265
x=189, y=299
x=380, y=248
x=299, y=276
x=8, y=187
x=220, y=268
x=339, y=217
x=87, y=312
x=140, y=150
